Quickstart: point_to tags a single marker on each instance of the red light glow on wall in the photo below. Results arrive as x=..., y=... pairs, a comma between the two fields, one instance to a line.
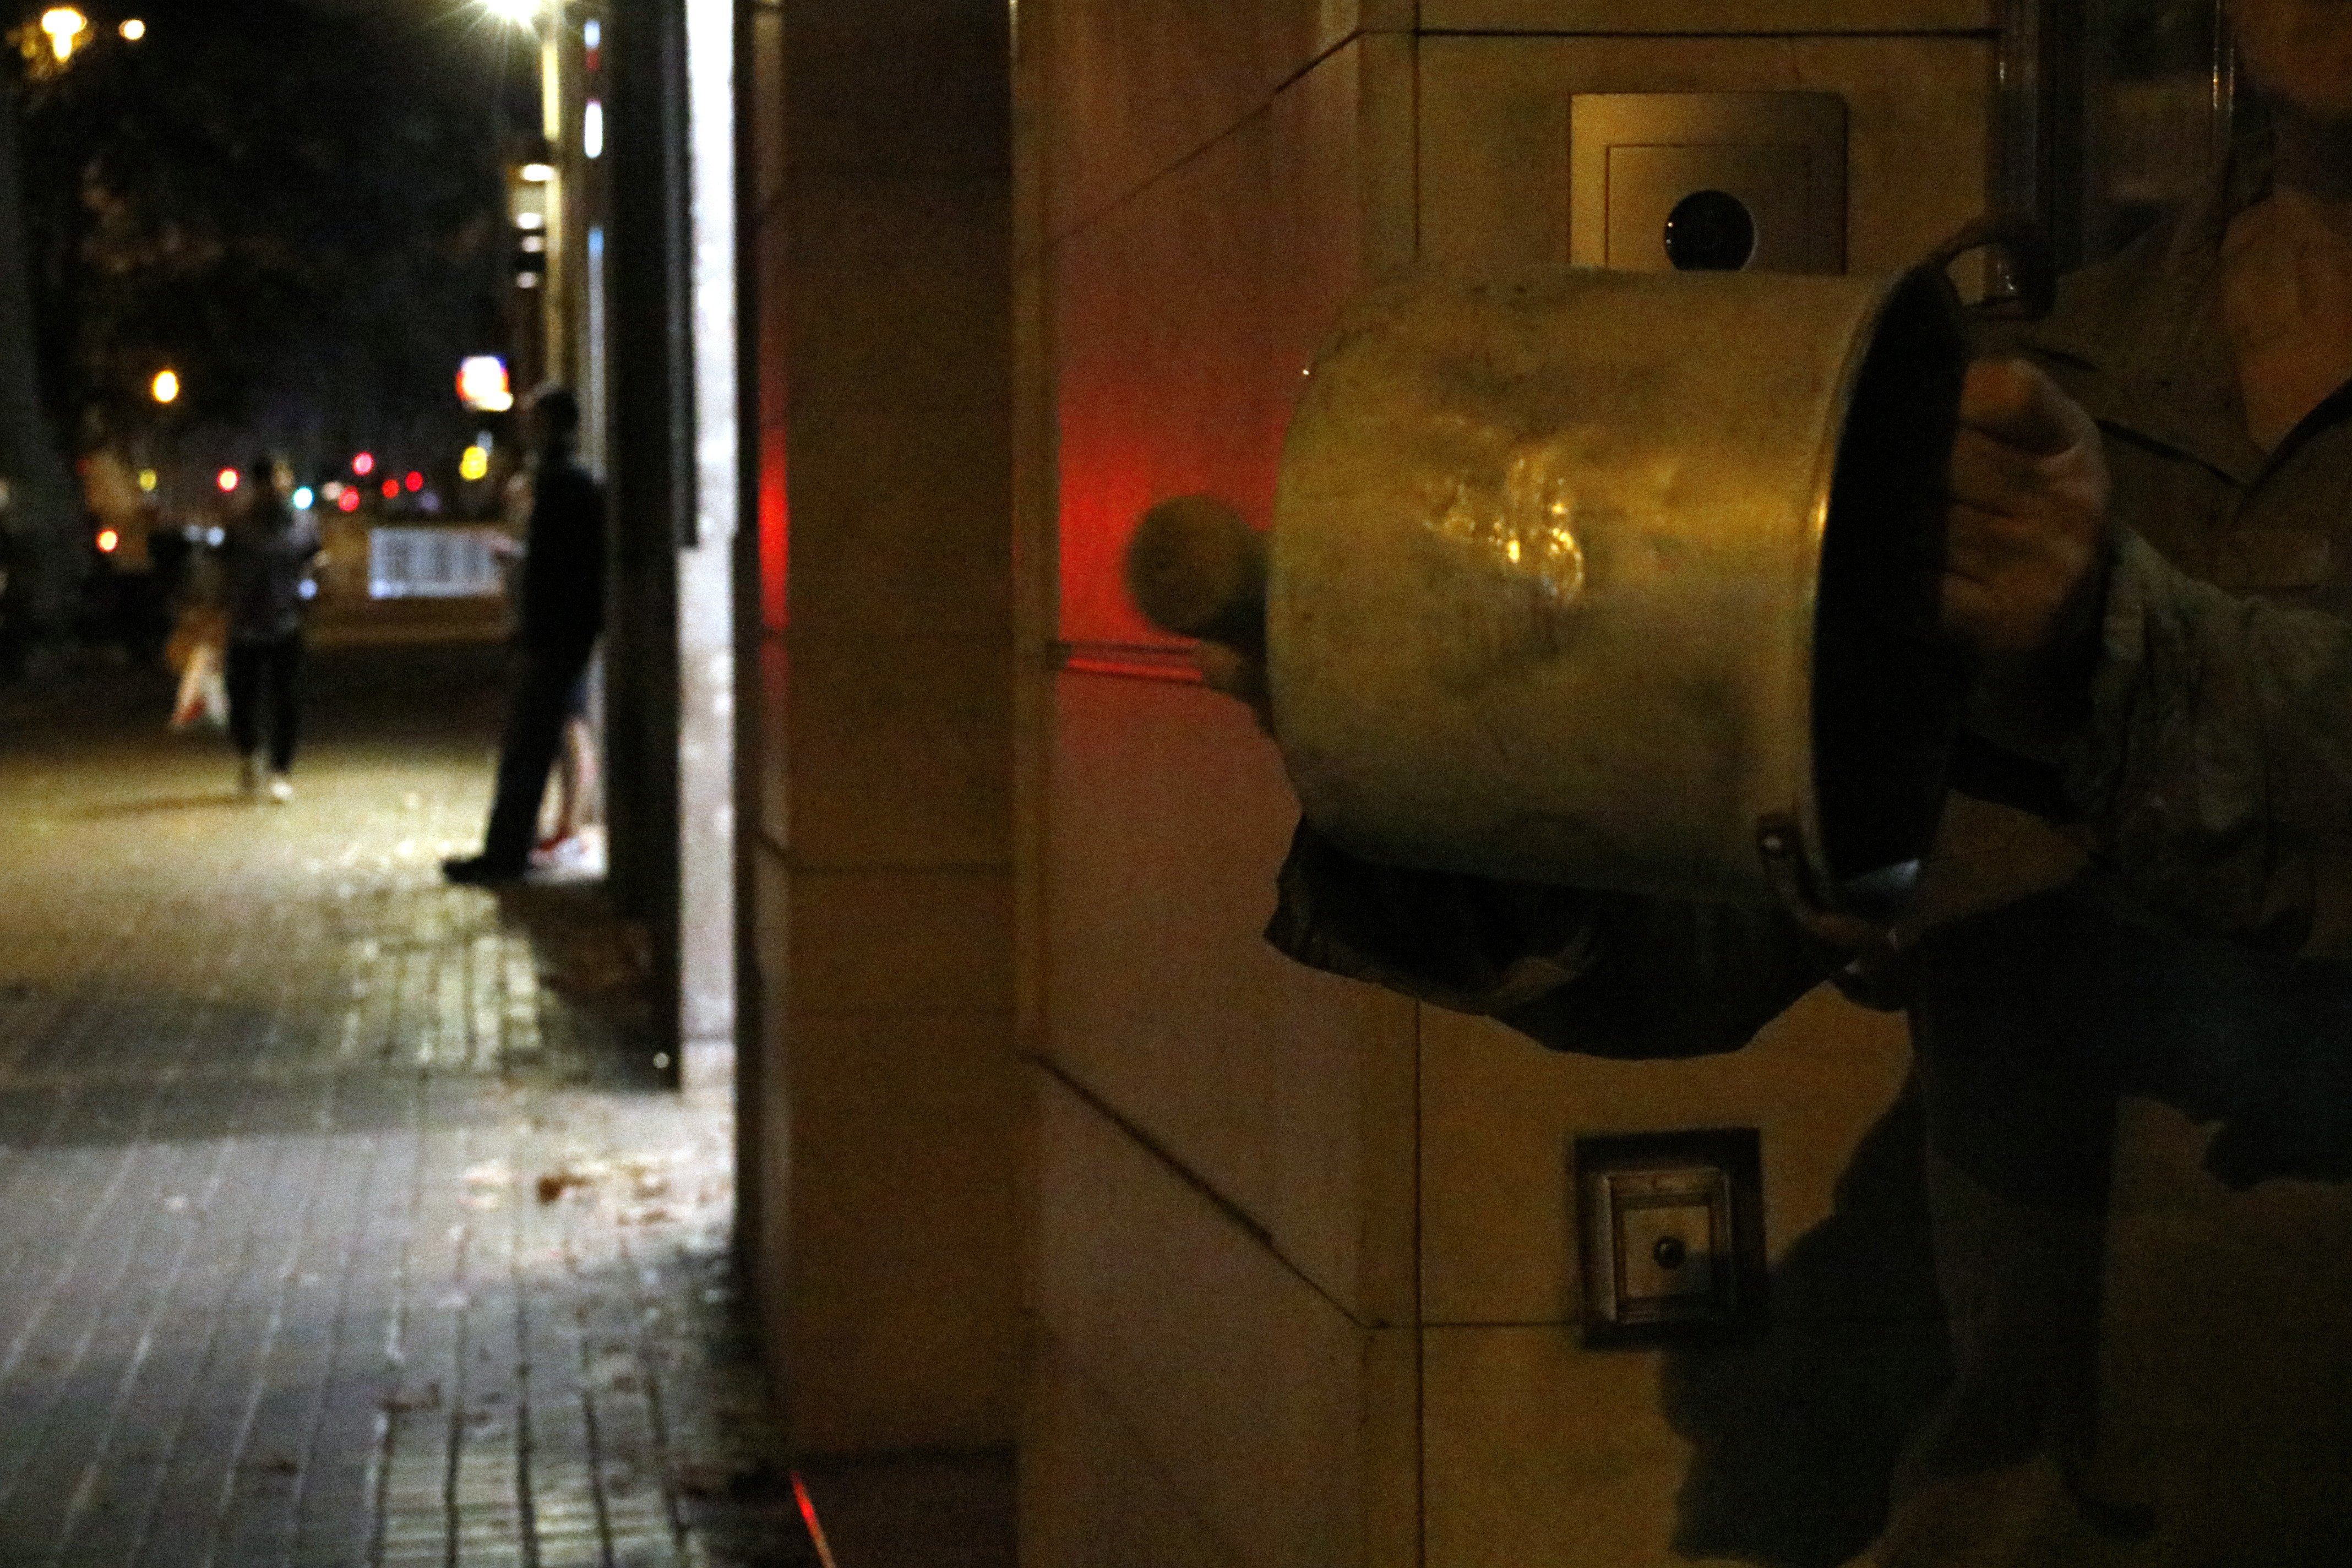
x=1127, y=443
x=1164, y=393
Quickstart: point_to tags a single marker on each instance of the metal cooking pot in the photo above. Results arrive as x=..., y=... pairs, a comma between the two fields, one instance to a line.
x=1593, y=577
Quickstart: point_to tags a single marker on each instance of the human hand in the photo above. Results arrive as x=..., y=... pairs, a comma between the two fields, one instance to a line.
x=2028, y=522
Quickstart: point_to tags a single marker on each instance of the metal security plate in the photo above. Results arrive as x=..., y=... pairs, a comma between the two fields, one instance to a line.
x=1670, y=1233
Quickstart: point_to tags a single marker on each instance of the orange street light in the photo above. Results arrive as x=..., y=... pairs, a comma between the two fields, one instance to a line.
x=165, y=387
x=64, y=26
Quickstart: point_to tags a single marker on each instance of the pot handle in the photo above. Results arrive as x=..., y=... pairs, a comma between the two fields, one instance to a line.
x=1878, y=971
x=1196, y=569
x=2025, y=274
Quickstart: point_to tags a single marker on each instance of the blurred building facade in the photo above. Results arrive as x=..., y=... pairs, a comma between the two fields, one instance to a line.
x=621, y=203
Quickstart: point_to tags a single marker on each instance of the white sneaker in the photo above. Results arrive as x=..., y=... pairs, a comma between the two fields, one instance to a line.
x=248, y=776
x=281, y=788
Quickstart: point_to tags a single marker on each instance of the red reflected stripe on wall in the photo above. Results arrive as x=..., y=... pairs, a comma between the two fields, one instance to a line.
x=809, y=1519
x=775, y=532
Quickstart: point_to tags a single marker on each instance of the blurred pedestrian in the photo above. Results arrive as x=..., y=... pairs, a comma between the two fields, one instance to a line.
x=197, y=652
x=197, y=649
x=267, y=557
x=563, y=614
x=571, y=815
x=570, y=811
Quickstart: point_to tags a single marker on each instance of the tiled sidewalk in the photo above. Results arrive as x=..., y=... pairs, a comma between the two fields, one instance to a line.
x=342, y=1219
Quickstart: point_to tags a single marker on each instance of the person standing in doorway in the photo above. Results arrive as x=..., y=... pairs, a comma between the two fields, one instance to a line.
x=267, y=560
x=562, y=612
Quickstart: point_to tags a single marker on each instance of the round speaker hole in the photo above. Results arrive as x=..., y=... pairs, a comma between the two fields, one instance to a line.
x=1710, y=231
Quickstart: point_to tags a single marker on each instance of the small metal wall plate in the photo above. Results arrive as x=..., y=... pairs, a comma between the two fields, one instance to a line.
x=1662, y=180
x=1670, y=1235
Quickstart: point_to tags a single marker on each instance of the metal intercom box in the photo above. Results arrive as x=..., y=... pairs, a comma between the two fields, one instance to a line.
x=1707, y=181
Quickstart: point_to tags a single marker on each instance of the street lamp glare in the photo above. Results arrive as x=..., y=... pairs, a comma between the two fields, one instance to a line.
x=64, y=26
x=133, y=31
x=165, y=386
x=522, y=13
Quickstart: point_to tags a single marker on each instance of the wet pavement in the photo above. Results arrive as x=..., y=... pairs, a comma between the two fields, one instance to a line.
x=344, y=1217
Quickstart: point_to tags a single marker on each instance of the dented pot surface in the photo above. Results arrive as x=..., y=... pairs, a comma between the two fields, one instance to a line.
x=1581, y=576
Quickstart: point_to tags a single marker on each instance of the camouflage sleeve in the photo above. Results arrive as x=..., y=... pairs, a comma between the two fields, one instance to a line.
x=2215, y=773
x=1606, y=974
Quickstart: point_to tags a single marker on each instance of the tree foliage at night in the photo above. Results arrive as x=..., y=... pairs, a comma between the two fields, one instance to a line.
x=297, y=208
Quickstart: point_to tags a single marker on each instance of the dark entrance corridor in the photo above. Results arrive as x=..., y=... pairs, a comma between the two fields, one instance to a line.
x=342, y=1218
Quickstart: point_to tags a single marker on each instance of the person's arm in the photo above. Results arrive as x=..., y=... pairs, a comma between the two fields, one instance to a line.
x=1605, y=974
x=2203, y=739
x=2214, y=771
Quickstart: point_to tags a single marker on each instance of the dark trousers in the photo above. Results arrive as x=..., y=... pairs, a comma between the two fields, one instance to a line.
x=535, y=710
x=261, y=672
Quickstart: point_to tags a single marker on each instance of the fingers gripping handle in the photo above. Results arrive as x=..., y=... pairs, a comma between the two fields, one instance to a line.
x=1196, y=569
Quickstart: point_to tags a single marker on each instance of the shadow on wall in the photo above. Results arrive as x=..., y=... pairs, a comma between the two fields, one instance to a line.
x=1797, y=1430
